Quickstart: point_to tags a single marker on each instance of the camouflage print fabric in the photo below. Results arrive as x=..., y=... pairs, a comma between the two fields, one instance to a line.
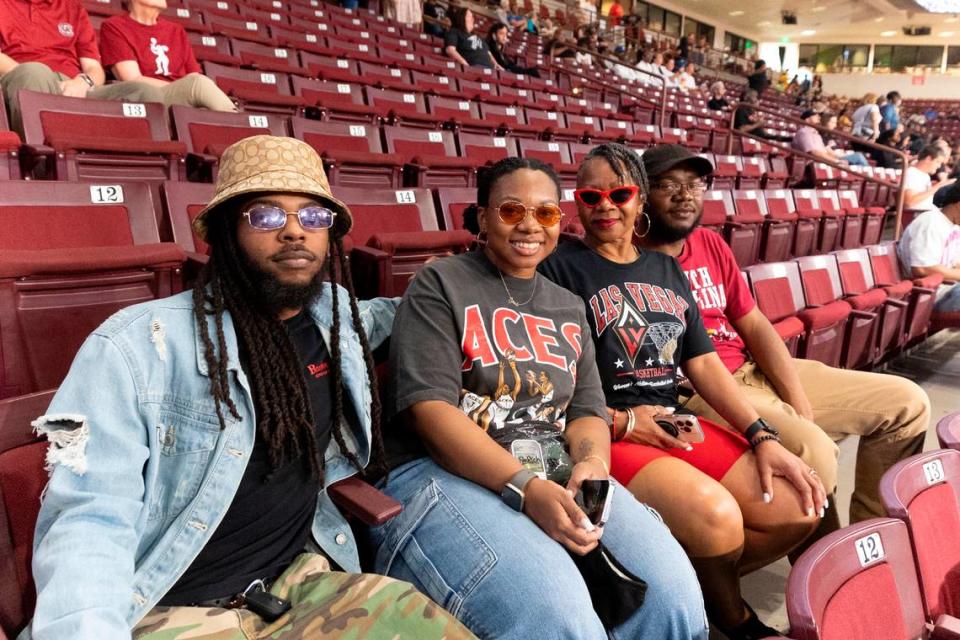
x=326, y=604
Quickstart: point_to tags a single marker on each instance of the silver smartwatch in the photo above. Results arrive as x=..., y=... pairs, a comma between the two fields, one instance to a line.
x=512, y=493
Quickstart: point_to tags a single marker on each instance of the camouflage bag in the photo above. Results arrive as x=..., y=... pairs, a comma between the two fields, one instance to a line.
x=325, y=604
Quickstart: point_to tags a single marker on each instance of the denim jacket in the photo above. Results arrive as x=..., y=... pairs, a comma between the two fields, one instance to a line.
x=142, y=474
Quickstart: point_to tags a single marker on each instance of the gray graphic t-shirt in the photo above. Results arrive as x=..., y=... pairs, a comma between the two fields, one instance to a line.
x=519, y=372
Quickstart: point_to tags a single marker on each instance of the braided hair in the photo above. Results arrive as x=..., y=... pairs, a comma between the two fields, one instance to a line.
x=285, y=418
x=624, y=162
x=487, y=177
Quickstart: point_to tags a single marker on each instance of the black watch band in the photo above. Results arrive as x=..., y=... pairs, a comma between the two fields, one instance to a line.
x=758, y=426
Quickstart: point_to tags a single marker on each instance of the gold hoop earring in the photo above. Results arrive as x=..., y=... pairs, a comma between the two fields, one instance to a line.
x=649, y=224
x=481, y=237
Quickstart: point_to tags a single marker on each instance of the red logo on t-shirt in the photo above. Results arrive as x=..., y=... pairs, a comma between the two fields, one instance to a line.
x=65, y=29
x=319, y=370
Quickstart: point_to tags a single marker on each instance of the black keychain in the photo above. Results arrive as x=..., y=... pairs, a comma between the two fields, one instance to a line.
x=263, y=603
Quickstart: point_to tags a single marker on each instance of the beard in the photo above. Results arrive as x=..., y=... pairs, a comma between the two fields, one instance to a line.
x=662, y=232
x=272, y=294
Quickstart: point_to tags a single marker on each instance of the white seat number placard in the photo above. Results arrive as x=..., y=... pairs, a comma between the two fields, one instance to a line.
x=406, y=197
x=134, y=110
x=259, y=122
x=933, y=471
x=869, y=549
x=106, y=194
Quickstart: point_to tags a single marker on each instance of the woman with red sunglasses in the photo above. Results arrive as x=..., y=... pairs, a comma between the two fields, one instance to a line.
x=499, y=420
x=646, y=325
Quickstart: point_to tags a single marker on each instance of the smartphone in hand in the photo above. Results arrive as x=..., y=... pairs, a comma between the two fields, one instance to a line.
x=682, y=426
x=595, y=498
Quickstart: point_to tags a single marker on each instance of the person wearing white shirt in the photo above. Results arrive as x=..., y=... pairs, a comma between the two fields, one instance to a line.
x=918, y=186
x=931, y=244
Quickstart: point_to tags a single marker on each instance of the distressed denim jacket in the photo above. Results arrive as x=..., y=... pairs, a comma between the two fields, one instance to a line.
x=142, y=474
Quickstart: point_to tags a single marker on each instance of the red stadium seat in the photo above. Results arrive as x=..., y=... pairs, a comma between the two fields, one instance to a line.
x=717, y=208
x=83, y=139
x=923, y=492
x=856, y=277
x=264, y=57
x=451, y=203
x=430, y=158
x=207, y=133
x=182, y=202
x=779, y=296
x=725, y=171
x=554, y=153
x=781, y=206
x=210, y=48
x=9, y=150
x=886, y=274
x=948, y=431
x=827, y=315
x=744, y=229
x=22, y=479
x=101, y=251
x=859, y=582
x=851, y=222
x=408, y=107
x=238, y=28
x=264, y=91
x=353, y=154
x=873, y=217
x=752, y=170
x=335, y=100
x=486, y=149
x=810, y=206
x=394, y=234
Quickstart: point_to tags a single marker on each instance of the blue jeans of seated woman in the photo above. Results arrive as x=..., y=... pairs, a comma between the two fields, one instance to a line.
x=504, y=578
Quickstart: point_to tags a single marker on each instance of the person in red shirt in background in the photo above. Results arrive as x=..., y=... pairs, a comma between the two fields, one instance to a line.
x=50, y=46
x=142, y=47
x=615, y=13
x=808, y=401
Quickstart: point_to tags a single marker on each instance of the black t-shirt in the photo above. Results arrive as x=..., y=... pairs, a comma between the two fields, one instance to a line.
x=758, y=81
x=437, y=11
x=268, y=523
x=717, y=104
x=742, y=117
x=521, y=372
x=644, y=319
x=470, y=46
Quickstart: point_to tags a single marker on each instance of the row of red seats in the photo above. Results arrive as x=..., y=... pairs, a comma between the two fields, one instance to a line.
x=893, y=577
x=850, y=308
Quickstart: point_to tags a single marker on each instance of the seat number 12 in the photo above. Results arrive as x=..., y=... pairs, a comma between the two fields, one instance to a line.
x=869, y=549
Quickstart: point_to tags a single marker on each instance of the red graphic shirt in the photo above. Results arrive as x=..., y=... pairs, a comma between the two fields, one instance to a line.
x=720, y=291
x=55, y=32
x=162, y=50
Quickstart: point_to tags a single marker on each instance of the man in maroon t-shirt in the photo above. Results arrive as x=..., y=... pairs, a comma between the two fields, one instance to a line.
x=50, y=46
x=143, y=47
x=805, y=399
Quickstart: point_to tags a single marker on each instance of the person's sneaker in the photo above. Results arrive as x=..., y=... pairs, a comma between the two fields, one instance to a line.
x=751, y=628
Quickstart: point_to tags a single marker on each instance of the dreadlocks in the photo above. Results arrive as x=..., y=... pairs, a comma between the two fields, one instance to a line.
x=285, y=418
x=624, y=162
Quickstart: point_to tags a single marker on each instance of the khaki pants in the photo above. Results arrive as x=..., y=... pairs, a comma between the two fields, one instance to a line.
x=197, y=90
x=328, y=605
x=889, y=413
x=36, y=76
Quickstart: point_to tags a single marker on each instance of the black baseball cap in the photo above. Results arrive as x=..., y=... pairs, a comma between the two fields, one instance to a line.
x=947, y=195
x=664, y=157
x=806, y=114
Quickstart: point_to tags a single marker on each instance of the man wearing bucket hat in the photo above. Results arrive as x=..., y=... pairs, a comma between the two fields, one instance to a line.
x=809, y=402
x=194, y=436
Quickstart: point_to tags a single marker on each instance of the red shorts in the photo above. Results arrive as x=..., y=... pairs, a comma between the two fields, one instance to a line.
x=714, y=456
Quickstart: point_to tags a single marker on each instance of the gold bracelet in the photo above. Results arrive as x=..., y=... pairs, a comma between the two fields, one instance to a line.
x=606, y=467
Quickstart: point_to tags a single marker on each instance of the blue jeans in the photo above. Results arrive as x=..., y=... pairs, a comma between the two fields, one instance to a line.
x=503, y=577
x=950, y=301
x=856, y=159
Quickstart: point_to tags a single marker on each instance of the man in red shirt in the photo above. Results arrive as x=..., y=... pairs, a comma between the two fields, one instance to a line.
x=50, y=46
x=143, y=47
x=807, y=400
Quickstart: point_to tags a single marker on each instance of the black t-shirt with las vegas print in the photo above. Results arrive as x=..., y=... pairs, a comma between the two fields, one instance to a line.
x=644, y=320
x=520, y=372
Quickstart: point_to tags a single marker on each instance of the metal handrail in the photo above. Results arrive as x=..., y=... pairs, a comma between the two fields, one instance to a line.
x=836, y=134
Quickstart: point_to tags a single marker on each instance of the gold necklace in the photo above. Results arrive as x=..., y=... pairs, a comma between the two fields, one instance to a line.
x=510, y=297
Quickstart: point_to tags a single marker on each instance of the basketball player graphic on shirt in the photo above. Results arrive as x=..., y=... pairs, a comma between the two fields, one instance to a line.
x=485, y=410
x=163, y=61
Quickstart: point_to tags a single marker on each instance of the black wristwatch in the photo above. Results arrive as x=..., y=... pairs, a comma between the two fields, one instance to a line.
x=512, y=493
x=761, y=426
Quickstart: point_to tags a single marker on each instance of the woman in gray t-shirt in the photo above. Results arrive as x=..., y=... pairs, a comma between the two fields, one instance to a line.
x=499, y=416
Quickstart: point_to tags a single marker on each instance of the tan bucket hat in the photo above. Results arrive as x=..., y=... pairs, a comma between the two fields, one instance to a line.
x=275, y=164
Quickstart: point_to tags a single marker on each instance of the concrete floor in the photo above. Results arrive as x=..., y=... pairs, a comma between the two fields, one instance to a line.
x=935, y=366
